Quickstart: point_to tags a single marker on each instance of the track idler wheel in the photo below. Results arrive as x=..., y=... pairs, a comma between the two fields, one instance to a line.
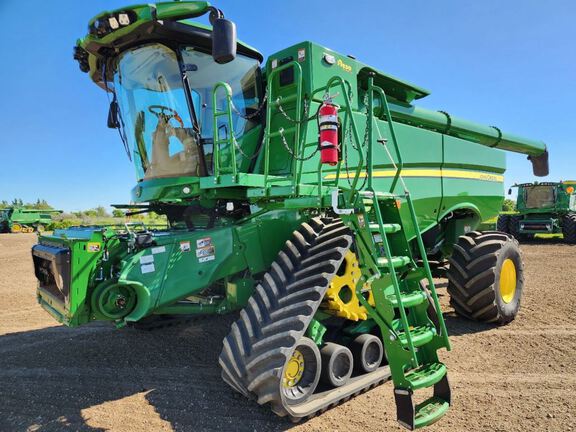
x=368, y=352
x=337, y=364
x=111, y=301
x=301, y=372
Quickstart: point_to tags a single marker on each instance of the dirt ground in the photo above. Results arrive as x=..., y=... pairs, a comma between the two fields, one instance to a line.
x=521, y=377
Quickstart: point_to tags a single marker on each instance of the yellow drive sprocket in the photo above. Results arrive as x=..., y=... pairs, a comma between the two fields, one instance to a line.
x=341, y=299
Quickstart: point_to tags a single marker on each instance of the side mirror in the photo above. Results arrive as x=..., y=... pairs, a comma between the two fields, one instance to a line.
x=510, y=191
x=223, y=38
x=113, y=122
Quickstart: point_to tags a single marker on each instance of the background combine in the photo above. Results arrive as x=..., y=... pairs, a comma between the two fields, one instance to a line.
x=19, y=219
x=309, y=193
x=543, y=208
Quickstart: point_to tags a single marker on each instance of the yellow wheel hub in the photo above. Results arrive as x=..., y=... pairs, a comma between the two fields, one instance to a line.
x=294, y=370
x=16, y=228
x=508, y=280
x=341, y=299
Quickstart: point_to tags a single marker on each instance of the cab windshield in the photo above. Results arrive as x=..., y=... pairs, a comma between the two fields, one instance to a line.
x=539, y=196
x=168, y=120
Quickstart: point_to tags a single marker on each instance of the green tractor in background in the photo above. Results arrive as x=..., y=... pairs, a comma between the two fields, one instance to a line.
x=308, y=193
x=25, y=220
x=542, y=208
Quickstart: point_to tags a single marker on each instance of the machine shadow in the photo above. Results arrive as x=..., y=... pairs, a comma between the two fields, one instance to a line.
x=455, y=324
x=56, y=379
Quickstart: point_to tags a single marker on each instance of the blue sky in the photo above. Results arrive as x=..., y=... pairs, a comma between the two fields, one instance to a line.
x=511, y=64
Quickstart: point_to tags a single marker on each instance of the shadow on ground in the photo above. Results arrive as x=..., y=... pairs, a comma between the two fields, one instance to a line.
x=49, y=376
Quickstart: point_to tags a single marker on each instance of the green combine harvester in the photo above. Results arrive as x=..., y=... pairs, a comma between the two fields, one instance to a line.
x=307, y=192
x=25, y=220
x=543, y=208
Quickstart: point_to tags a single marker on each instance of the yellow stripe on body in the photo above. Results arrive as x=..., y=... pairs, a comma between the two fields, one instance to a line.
x=446, y=173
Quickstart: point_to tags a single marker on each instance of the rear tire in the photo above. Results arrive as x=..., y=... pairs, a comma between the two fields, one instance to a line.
x=503, y=223
x=486, y=277
x=569, y=228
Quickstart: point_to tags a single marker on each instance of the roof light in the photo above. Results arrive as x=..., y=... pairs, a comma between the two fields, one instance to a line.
x=124, y=19
x=113, y=23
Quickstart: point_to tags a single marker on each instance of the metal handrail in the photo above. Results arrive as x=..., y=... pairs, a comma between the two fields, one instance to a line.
x=412, y=211
x=298, y=79
x=230, y=132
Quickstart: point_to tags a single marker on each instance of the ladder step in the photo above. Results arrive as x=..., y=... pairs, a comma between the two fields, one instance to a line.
x=426, y=375
x=425, y=413
x=409, y=299
x=397, y=261
x=430, y=411
x=381, y=196
x=389, y=228
x=420, y=335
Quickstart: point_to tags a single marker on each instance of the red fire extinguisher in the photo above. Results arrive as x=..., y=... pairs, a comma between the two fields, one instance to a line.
x=328, y=125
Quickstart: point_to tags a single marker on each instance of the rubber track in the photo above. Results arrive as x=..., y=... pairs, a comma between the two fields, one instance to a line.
x=281, y=308
x=472, y=275
x=569, y=228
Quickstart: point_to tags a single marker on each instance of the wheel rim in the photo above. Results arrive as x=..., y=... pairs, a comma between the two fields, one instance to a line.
x=341, y=367
x=341, y=298
x=294, y=370
x=301, y=373
x=16, y=228
x=373, y=355
x=508, y=281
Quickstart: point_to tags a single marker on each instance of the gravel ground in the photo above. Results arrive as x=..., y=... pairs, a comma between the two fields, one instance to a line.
x=516, y=378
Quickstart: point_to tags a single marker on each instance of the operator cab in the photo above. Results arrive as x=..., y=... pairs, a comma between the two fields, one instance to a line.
x=166, y=106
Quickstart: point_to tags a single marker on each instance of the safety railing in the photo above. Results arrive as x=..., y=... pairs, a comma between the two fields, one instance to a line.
x=229, y=138
x=272, y=105
x=413, y=217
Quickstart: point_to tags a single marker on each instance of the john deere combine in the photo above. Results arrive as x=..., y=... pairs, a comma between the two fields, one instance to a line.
x=19, y=219
x=308, y=192
x=543, y=208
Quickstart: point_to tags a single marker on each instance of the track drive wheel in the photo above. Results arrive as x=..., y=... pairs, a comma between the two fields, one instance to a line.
x=486, y=277
x=569, y=228
x=341, y=299
x=503, y=223
x=16, y=228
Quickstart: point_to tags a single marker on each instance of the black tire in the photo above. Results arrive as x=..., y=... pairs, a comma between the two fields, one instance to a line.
x=368, y=352
x=514, y=227
x=503, y=223
x=264, y=338
x=569, y=228
x=337, y=364
x=477, y=284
